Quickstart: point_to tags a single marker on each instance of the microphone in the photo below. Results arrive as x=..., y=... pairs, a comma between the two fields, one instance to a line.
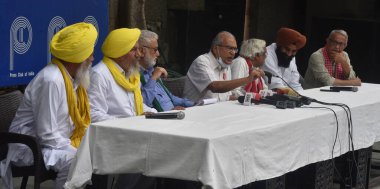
x=269, y=76
x=167, y=115
x=353, y=89
x=279, y=104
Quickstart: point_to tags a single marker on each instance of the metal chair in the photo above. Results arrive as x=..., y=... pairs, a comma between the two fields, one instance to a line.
x=9, y=103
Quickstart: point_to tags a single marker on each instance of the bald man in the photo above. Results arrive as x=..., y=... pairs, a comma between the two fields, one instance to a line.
x=55, y=107
x=209, y=75
x=281, y=60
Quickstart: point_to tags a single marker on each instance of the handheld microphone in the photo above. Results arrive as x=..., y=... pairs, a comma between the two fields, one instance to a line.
x=353, y=89
x=167, y=115
x=254, y=101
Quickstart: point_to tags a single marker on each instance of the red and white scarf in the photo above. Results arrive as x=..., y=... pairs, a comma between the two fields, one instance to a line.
x=253, y=87
x=335, y=70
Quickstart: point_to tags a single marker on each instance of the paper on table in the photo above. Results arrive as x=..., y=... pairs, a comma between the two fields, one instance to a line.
x=206, y=101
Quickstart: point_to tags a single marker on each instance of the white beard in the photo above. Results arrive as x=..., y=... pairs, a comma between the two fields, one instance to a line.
x=149, y=60
x=133, y=69
x=83, y=76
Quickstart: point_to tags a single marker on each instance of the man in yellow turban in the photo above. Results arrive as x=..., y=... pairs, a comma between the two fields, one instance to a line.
x=281, y=61
x=115, y=81
x=55, y=108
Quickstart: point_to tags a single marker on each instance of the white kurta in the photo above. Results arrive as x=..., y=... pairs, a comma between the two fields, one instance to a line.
x=204, y=70
x=290, y=74
x=108, y=100
x=239, y=69
x=43, y=113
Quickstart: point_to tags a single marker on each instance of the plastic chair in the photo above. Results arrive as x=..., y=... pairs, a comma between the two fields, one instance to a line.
x=9, y=103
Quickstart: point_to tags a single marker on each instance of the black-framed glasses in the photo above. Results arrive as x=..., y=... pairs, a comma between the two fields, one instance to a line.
x=229, y=48
x=337, y=43
x=154, y=49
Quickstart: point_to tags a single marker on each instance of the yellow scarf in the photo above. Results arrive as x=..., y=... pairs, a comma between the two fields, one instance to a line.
x=79, y=110
x=131, y=85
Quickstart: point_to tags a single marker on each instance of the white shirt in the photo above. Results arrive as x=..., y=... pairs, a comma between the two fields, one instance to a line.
x=290, y=74
x=43, y=113
x=204, y=70
x=108, y=100
x=239, y=69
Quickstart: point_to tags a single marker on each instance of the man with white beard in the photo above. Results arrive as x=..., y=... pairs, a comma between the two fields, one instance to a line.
x=55, y=107
x=115, y=81
x=115, y=89
x=154, y=92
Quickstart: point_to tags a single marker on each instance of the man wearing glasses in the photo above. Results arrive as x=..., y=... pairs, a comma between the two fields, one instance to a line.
x=209, y=76
x=154, y=92
x=330, y=65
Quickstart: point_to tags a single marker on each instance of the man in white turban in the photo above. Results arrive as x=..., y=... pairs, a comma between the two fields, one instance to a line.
x=55, y=108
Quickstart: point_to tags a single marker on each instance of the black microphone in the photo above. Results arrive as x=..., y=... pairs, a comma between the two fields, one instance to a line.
x=166, y=115
x=353, y=89
x=254, y=101
x=279, y=104
x=269, y=76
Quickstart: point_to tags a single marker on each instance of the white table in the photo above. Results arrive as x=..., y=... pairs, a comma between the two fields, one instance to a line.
x=227, y=145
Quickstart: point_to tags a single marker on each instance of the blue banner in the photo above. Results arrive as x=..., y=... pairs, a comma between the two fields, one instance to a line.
x=26, y=28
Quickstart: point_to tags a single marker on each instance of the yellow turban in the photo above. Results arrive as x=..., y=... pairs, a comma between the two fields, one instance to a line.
x=74, y=43
x=120, y=41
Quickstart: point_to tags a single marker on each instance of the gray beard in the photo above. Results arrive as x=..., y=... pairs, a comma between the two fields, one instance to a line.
x=132, y=70
x=149, y=61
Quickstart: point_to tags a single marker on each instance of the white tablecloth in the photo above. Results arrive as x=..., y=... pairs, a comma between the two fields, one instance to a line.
x=227, y=145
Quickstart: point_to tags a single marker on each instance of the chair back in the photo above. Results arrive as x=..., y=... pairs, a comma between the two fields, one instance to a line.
x=9, y=103
x=175, y=85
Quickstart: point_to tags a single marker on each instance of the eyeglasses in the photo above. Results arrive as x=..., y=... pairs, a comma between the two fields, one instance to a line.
x=154, y=49
x=229, y=48
x=337, y=43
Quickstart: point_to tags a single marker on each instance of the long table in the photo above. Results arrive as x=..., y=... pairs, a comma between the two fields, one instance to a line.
x=227, y=145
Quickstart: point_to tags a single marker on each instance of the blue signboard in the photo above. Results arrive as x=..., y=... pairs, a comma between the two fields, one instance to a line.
x=26, y=28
